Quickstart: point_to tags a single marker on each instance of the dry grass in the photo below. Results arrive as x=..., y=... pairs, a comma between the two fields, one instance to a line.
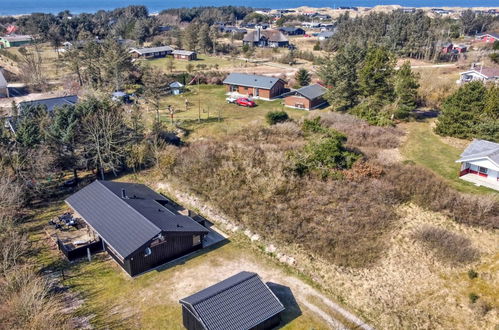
x=447, y=246
x=409, y=287
x=436, y=85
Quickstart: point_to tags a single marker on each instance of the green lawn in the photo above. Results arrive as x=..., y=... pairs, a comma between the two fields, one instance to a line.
x=211, y=101
x=209, y=62
x=426, y=148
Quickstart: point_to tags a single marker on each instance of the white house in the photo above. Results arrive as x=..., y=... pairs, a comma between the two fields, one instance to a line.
x=480, y=163
x=480, y=74
x=4, y=91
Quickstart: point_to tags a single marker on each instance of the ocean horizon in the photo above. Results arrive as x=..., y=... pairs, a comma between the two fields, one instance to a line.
x=19, y=7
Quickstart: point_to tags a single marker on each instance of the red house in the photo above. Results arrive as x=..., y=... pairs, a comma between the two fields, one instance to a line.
x=446, y=48
x=488, y=37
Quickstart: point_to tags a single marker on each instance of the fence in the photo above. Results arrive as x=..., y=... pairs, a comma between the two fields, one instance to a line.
x=81, y=251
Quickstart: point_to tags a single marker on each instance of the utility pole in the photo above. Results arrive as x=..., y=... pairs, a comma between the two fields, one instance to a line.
x=199, y=103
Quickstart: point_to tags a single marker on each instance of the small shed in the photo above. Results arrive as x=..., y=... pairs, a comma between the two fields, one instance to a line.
x=184, y=55
x=242, y=301
x=307, y=98
x=176, y=88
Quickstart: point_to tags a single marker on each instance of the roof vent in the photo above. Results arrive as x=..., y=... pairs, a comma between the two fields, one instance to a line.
x=123, y=194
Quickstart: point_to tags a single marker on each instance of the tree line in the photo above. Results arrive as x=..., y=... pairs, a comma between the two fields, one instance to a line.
x=414, y=35
x=366, y=83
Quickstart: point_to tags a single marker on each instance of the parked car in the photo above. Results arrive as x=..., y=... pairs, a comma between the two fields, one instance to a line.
x=245, y=102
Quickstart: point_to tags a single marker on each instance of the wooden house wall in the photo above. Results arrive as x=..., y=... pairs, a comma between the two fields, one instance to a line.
x=174, y=247
x=190, y=321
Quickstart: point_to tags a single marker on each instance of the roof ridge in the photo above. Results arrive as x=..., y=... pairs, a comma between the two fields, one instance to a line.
x=121, y=200
x=253, y=274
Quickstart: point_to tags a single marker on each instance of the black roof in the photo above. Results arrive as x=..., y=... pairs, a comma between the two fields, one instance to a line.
x=51, y=103
x=242, y=301
x=127, y=224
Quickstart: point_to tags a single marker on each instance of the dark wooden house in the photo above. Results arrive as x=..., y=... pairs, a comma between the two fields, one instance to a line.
x=257, y=86
x=242, y=301
x=185, y=55
x=136, y=229
x=151, y=52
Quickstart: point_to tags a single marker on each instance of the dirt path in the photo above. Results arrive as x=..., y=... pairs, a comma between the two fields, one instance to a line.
x=305, y=295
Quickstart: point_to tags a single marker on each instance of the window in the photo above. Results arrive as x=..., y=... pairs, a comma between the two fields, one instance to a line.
x=482, y=170
x=196, y=240
x=147, y=252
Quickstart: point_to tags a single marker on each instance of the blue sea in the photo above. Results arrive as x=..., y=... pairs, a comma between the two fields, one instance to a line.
x=15, y=7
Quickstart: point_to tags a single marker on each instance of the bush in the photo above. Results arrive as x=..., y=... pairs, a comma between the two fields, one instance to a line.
x=447, y=246
x=472, y=274
x=473, y=297
x=274, y=117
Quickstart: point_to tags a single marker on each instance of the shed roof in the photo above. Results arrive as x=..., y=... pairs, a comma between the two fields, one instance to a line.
x=183, y=52
x=3, y=81
x=312, y=92
x=495, y=35
x=127, y=224
x=17, y=37
x=176, y=84
x=152, y=50
x=242, y=301
x=481, y=149
x=51, y=103
x=251, y=80
x=485, y=72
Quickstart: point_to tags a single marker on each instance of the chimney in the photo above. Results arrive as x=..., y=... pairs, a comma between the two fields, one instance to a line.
x=258, y=33
x=123, y=194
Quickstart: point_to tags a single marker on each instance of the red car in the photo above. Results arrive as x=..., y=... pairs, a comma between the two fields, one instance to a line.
x=245, y=102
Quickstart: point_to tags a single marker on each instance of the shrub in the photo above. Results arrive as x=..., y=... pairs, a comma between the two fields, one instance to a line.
x=472, y=274
x=274, y=117
x=447, y=246
x=473, y=297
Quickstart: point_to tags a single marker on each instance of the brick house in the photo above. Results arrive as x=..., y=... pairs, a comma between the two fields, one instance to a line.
x=262, y=87
x=307, y=98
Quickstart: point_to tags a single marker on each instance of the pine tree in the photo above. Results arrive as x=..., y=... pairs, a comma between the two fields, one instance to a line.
x=204, y=41
x=406, y=89
x=462, y=110
x=339, y=74
x=375, y=76
x=303, y=77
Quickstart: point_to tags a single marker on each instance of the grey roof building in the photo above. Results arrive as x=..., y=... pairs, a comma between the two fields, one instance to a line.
x=480, y=164
x=138, y=231
x=251, y=80
x=152, y=51
x=50, y=103
x=312, y=92
x=481, y=149
x=240, y=302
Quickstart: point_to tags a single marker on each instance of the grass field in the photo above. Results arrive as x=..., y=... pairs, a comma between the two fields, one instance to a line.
x=211, y=101
x=210, y=62
x=426, y=148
